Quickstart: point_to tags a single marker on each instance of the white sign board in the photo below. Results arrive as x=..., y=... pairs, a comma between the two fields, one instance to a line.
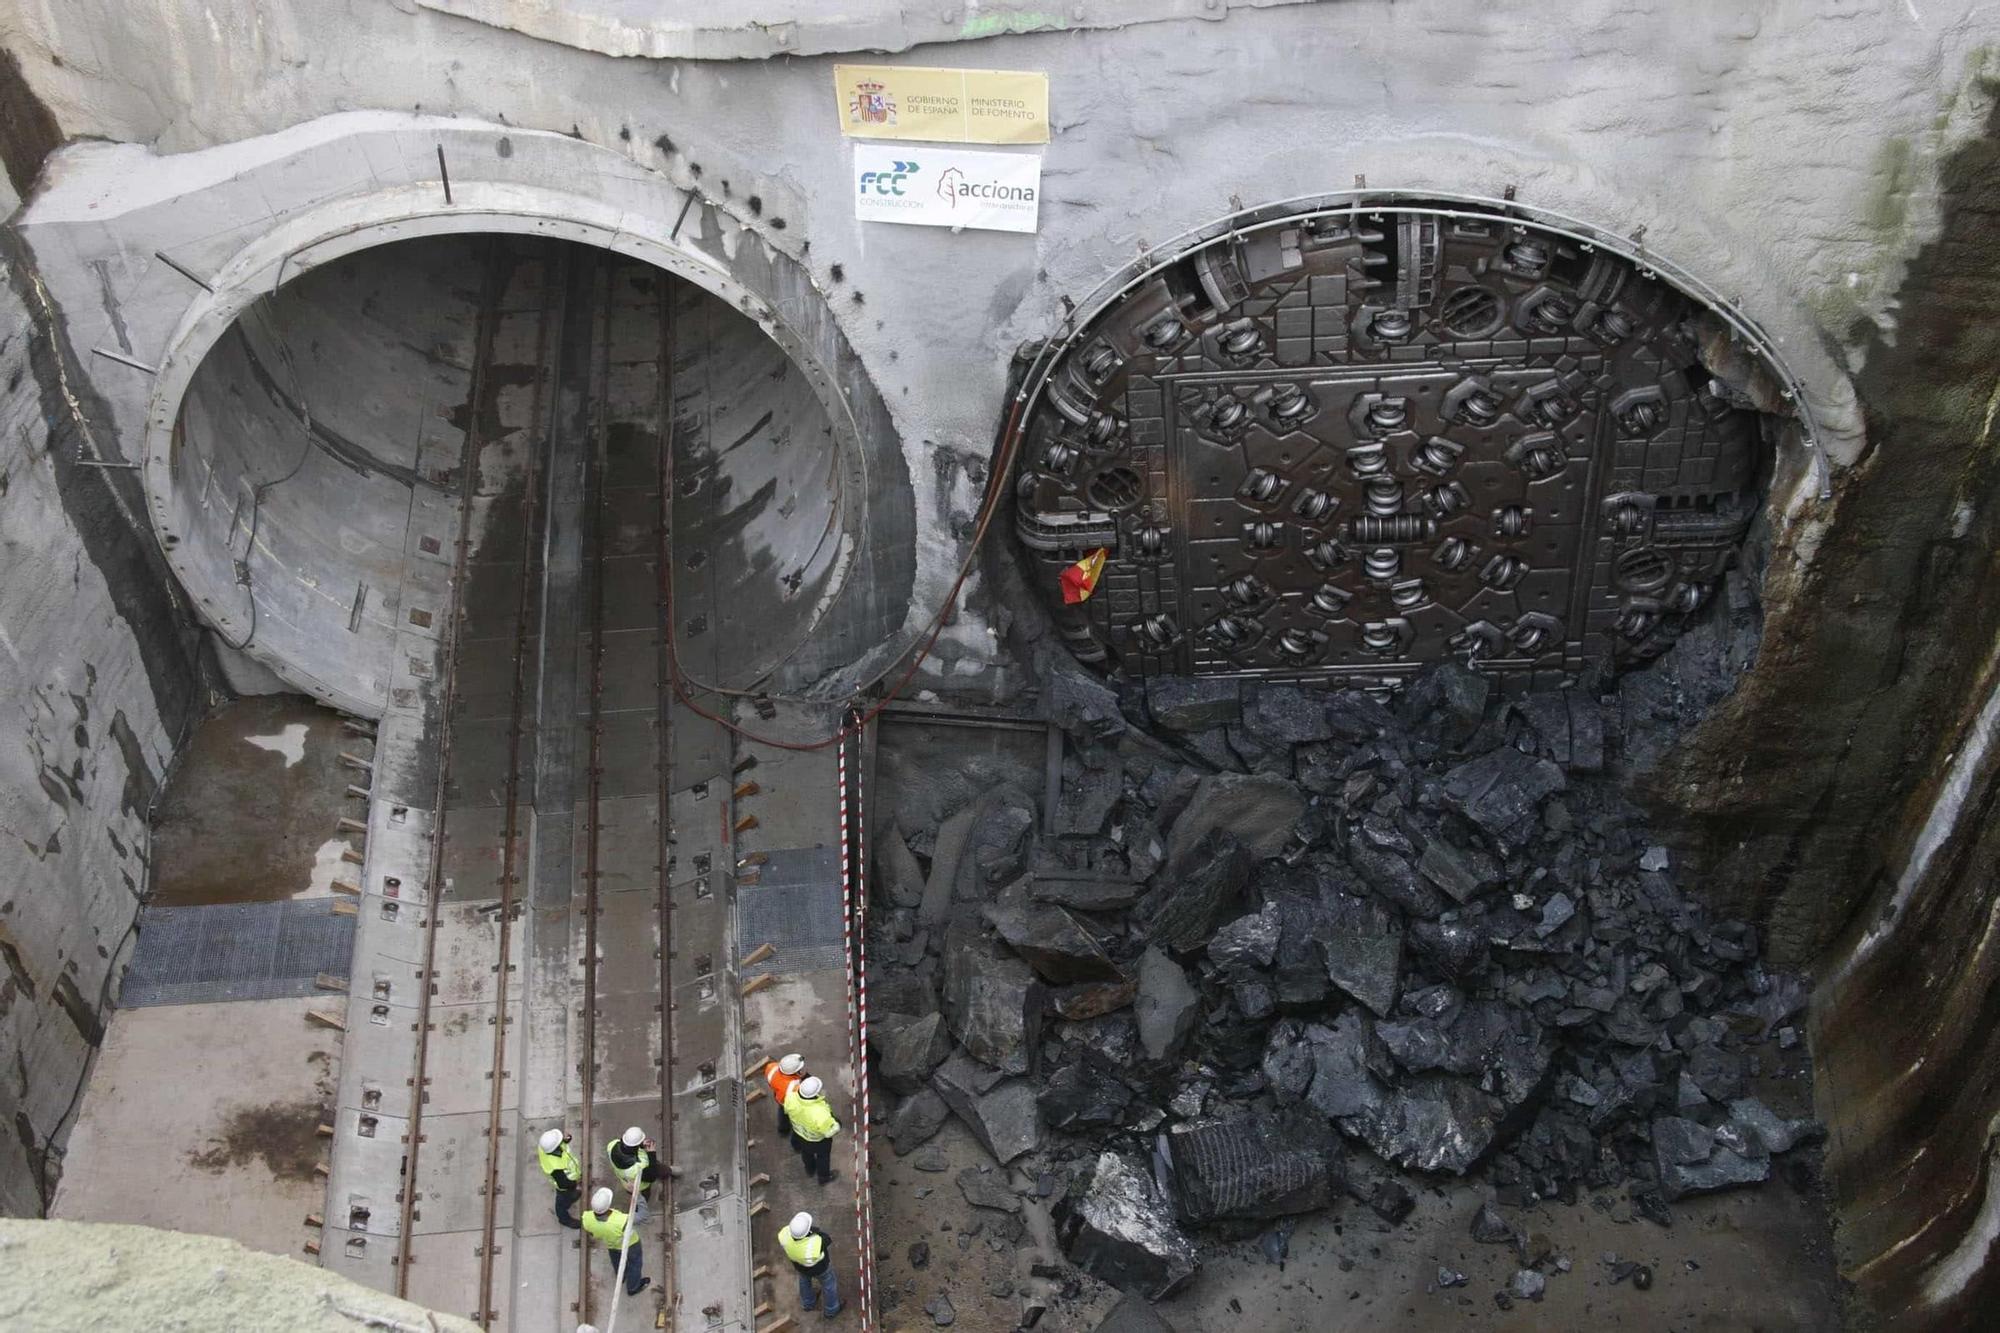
x=946, y=187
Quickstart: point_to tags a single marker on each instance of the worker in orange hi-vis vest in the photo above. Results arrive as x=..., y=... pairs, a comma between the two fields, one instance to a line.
x=783, y=1075
x=1080, y=579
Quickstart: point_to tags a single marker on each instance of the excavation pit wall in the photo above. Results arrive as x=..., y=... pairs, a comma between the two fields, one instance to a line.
x=1846, y=774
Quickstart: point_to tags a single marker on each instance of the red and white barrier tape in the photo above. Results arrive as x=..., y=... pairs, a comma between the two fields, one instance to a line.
x=853, y=919
x=864, y=1191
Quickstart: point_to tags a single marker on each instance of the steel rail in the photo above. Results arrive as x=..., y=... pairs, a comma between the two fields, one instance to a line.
x=664, y=694
x=593, y=823
x=510, y=835
x=482, y=357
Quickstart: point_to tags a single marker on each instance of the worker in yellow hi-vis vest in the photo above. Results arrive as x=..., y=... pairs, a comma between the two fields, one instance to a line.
x=559, y=1164
x=813, y=1126
x=807, y=1247
x=607, y=1224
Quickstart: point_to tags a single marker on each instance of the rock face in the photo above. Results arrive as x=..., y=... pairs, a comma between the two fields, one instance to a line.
x=1363, y=945
x=1119, y=1230
x=1251, y=1166
x=1167, y=1007
x=896, y=872
x=1257, y=809
x=992, y=1003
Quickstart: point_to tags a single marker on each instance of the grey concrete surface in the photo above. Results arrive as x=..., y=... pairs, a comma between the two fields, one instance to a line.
x=86, y=733
x=185, y=1132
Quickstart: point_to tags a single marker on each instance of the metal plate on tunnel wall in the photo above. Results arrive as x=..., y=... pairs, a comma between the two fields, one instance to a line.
x=1364, y=442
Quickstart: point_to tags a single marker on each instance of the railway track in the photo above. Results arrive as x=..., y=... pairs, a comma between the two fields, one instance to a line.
x=575, y=953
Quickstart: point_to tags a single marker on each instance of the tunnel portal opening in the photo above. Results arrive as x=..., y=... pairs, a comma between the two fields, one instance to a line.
x=318, y=452
x=1357, y=442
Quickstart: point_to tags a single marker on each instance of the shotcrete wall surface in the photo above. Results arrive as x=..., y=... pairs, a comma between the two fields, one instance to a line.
x=1805, y=160
x=98, y=686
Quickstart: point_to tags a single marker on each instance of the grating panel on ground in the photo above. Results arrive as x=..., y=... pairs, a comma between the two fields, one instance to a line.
x=236, y=951
x=794, y=905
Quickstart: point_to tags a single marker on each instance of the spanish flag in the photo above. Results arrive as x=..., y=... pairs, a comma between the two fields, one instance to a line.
x=1080, y=579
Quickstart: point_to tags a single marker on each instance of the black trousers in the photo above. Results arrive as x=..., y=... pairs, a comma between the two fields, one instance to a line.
x=817, y=1154
x=566, y=1208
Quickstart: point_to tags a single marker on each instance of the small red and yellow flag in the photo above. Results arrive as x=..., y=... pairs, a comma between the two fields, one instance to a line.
x=1080, y=579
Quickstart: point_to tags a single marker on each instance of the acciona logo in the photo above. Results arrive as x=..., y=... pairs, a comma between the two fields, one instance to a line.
x=955, y=186
x=948, y=188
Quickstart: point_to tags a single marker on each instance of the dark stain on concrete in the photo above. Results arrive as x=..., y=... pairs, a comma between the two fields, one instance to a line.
x=28, y=129
x=285, y=1135
x=237, y=824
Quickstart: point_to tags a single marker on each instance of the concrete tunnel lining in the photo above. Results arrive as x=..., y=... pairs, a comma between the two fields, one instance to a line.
x=855, y=430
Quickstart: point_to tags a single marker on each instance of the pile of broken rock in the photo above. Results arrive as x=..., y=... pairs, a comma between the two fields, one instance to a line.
x=1284, y=939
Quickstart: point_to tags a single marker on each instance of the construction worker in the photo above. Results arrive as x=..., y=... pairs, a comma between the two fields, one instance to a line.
x=813, y=1126
x=807, y=1247
x=631, y=1155
x=559, y=1164
x=782, y=1075
x=608, y=1225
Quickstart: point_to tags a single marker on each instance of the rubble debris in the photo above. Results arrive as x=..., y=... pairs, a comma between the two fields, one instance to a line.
x=897, y=874
x=1255, y=1165
x=984, y=1188
x=1118, y=1229
x=1257, y=809
x=1082, y=704
x=939, y=1309
x=1527, y=1285
x=1448, y=1278
x=1425, y=929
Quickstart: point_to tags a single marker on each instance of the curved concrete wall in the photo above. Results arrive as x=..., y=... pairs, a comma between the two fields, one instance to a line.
x=332, y=415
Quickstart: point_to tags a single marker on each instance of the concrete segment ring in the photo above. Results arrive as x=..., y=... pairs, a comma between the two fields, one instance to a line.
x=356, y=222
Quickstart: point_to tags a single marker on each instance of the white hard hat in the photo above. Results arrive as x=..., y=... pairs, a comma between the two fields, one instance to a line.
x=551, y=1140
x=633, y=1137
x=801, y=1224
x=792, y=1063
x=600, y=1202
x=586, y=1328
x=811, y=1087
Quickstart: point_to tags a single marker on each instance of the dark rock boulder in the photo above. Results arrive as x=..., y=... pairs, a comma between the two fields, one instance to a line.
x=1288, y=715
x=1203, y=890
x=1690, y=1161
x=1092, y=999
x=908, y=1049
x=1347, y=1065
x=1193, y=703
x=1001, y=1113
x=1106, y=893
x=1363, y=947
x=1258, y=809
x=1393, y=877
x=1083, y=1095
x=992, y=1003
x=1119, y=1230
x=1248, y=942
x=919, y=1118
x=1501, y=792
x=897, y=875
x=1434, y=1123
x=1048, y=938
x=1503, y=1046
